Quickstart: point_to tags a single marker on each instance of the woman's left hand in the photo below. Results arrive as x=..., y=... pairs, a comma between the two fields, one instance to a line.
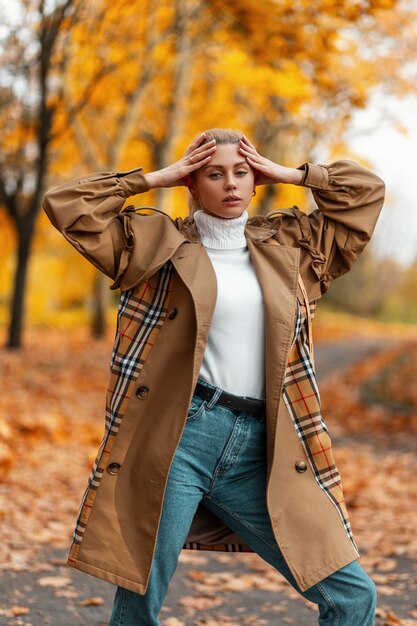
x=267, y=172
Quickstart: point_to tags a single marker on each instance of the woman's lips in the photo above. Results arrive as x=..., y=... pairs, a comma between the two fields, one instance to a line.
x=232, y=201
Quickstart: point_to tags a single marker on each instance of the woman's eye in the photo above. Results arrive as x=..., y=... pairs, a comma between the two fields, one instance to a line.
x=216, y=175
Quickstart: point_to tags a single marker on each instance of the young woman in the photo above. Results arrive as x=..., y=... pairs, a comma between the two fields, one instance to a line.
x=214, y=437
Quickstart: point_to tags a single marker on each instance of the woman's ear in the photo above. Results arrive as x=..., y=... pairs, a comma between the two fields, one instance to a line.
x=189, y=182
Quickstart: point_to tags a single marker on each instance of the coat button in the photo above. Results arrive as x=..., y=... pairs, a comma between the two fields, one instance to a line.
x=172, y=313
x=113, y=468
x=142, y=392
x=301, y=466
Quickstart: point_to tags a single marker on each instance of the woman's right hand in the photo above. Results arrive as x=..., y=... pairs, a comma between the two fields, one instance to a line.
x=175, y=175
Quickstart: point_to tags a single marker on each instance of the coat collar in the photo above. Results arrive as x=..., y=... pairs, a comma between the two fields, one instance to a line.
x=256, y=229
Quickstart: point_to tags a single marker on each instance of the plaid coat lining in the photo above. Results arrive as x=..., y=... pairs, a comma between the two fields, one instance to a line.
x=302, y=398
x=141, y=314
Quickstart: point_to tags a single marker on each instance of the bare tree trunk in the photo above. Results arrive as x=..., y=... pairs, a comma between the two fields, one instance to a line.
x=23, y=207
x=25, y=235
x=181, y=91
x=268, y=199
x=100, y=305
x=279, y=143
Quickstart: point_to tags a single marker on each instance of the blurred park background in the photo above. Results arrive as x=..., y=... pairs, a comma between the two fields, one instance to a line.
x=109, y=85
x=105, y=86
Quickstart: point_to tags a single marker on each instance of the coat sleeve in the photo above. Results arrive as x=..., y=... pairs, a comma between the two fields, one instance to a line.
x=349, y=199
x=86, y=211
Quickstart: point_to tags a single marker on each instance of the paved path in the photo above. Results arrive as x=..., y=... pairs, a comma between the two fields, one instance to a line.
x=63, y=606
x=335, y=356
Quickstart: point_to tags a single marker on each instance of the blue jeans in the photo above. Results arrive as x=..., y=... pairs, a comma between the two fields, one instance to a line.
x=221, y=462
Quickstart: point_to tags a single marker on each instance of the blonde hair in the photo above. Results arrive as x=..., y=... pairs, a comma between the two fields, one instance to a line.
x=222, y=136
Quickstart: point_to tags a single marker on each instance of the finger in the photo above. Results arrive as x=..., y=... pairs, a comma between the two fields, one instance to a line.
x=192, y=164
x=202, y=152
x=246, y=140
x=205, y=147
x=248, y=149
x=253, y=155
x=201, y=138
x=195, y=143
x=257, y=164
x=191, y=167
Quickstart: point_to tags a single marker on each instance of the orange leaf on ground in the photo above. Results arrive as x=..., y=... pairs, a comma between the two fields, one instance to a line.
x=200, y=602
x=54, y=581
x=96, y=601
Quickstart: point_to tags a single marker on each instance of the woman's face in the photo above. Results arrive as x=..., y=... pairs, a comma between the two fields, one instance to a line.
x=224, y=186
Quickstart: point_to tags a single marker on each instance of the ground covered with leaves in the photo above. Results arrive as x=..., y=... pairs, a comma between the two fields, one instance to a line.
x=51, y=409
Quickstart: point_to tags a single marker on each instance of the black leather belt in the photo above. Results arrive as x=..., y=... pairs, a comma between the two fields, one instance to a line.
x=247, y=405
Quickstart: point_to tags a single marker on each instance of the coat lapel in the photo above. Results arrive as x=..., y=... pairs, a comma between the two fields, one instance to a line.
x=196, y=271
x=276, y=267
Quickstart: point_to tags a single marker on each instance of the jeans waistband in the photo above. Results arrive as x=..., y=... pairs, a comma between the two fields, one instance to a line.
x=216, y=395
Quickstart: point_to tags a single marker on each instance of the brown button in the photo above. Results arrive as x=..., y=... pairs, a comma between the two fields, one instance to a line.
x=113, y=468
x=172, y=313
x=142, y=392
x=301, y=466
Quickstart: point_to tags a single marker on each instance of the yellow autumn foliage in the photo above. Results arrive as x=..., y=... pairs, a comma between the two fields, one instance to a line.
x=134, y=83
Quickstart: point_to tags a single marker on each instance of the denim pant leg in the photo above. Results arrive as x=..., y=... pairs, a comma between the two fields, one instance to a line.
x=237, y=495
x=182, y=495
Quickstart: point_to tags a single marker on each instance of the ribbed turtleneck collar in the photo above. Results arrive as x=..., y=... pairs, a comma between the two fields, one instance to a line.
x=221, y=234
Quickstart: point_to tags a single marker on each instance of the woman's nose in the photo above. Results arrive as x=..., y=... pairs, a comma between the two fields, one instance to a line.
x=230, y=183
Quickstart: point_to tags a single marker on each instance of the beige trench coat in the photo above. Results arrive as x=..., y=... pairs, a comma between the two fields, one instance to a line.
x=168, y=294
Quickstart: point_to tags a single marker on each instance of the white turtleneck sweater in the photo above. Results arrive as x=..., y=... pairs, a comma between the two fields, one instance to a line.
x=234, y=358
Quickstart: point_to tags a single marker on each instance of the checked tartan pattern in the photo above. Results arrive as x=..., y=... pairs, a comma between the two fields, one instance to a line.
x=302, y=398
x=142, y=311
